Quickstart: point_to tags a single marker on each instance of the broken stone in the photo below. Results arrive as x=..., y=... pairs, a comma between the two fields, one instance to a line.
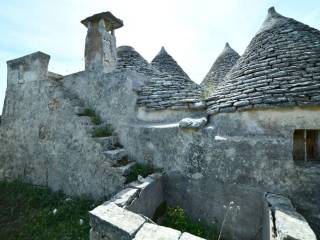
x=292, y=226
x=125, y=197
x=193, y=123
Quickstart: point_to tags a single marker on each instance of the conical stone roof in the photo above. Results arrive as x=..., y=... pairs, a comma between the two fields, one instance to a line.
x=280, y=68
x=172, y=89
x=222, y=65
x=166, y=64
x=129, y=58
x=170, y=92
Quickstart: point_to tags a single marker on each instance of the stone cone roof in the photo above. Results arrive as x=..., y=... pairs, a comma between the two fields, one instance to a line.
x=170, y=92
x=166, y=64
x=129, y=58
x=222, y=65
x=171, y=89
x=280, y=68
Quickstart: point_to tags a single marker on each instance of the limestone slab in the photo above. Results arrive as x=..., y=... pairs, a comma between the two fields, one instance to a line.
x=125, y=196
x=155, y=232
x=188, y=236
x=115, y=222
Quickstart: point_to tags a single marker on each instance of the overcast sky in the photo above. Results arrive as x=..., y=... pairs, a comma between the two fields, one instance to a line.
x=192, y=31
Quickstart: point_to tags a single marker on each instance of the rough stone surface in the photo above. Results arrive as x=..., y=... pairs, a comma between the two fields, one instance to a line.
x=291, y=225
x=47, y=143
x=164, y=63
x=128, y=58
x=171, y=89
x=288, y=224
x=252, y=155
x=280, y=68
x=113, y=222
x=125, y=197
x=238, y=156
x=100, y=48
x=150, y=197
x=33, y=67
x=222, y=65
x=193, y=123
x=188, y=236
x=155, y=232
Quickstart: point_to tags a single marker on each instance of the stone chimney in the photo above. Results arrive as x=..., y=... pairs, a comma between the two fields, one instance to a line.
x=100, y=49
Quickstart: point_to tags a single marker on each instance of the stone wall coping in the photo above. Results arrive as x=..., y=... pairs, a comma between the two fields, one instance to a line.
x=156, y=232
x=113, y=219
x=112, y=216
x=286, y=221
x=30, y=57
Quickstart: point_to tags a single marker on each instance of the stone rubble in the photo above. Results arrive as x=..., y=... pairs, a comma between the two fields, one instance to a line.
x=193, y=123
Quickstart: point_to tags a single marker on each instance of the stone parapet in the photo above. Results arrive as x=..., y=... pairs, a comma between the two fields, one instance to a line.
x=29, y=68
x=128, y=214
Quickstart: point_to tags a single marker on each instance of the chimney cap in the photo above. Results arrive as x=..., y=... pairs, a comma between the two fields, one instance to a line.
x=111, y=21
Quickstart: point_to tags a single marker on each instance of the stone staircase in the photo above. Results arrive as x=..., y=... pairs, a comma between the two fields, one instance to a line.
x=113, y=151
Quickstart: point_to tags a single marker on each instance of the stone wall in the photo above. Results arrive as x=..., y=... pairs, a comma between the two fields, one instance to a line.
x=44, y=142
x=281, y=220
x=128, y=214
x=237, y=157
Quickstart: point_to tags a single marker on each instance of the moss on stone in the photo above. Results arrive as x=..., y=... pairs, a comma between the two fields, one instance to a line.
x=140, y=169
x=95, y=119
x=105, y=131
x=177, y=218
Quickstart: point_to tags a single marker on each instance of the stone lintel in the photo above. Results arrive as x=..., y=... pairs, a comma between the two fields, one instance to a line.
x=111, y=22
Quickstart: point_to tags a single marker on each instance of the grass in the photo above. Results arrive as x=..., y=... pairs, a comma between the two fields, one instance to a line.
x=140, y=169
x=95, y=119
x=105, y=131
x=122, y=162
x=27, y=212
x=177, y=218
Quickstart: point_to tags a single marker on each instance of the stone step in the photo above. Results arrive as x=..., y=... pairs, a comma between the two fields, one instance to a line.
x=79, y=110
x=86, y=122
x=109, y=143
x=116, y=154
x=126, y=168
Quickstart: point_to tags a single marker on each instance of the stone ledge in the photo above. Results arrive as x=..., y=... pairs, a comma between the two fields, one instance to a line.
x=285, y=223
x=29, y=68
x=114, y=222
x=151, y=231
x=188, y=236
x=127, y=214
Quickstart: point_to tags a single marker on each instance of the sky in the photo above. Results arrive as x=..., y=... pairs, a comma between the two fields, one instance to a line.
x=194, y=32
